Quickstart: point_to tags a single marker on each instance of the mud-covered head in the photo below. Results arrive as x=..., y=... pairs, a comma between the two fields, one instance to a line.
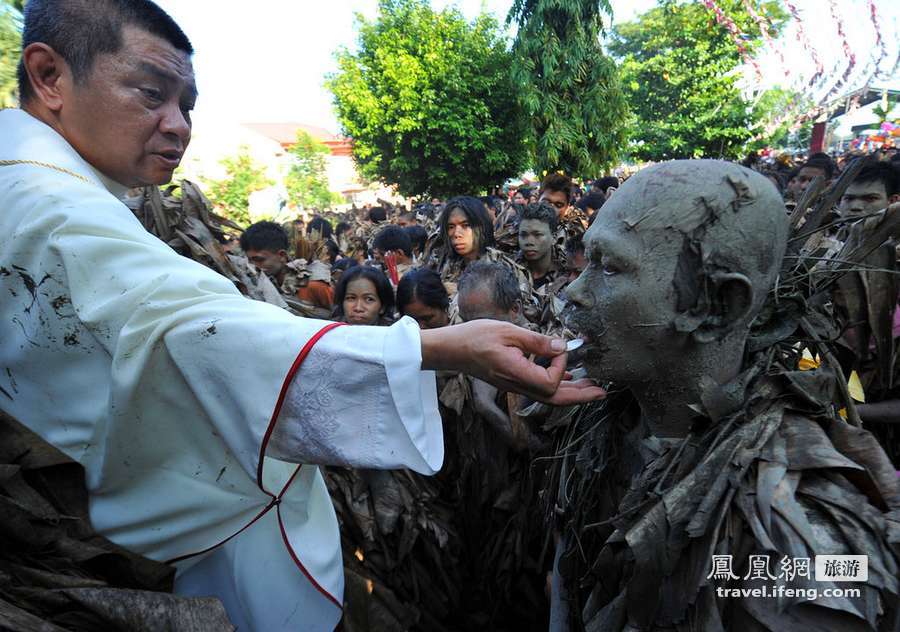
x=682, y=257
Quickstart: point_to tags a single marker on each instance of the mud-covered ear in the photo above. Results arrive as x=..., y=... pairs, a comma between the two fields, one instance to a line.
x=730, y=301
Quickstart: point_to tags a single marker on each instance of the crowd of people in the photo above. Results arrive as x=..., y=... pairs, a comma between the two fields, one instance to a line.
x=511, y=258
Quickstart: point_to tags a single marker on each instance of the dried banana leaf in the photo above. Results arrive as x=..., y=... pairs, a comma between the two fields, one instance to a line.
x=56, y=573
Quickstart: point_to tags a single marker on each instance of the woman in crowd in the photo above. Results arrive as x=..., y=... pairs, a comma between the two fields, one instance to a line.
x=422, y=296
x=467, y=232
x=364, y=296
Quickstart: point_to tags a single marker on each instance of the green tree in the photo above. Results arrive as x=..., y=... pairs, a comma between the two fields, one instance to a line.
x=568, y=87
x=10, y=51
x=773, y=113
x=680, y=70
x=231, y=194
x=429, y=102
x=307, y=182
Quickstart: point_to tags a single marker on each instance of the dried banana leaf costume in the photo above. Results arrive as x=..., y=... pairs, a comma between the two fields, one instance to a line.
x=770, y=468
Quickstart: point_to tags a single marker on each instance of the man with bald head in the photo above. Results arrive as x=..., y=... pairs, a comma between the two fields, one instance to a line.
x=718, y=460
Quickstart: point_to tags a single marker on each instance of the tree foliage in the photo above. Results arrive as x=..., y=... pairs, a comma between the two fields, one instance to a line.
x=568, y=87
x=429, y=101
x=231, y=194
x=10, y=51
x=771, y=127
x=680, y=70
x=307, y=182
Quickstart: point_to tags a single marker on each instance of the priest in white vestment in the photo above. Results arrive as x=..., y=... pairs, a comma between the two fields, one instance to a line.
x=199, y=416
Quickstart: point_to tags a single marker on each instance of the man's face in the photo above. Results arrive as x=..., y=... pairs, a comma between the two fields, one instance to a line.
x=623, y=303
x=798, y=183
x=535, y=239
x=130, y=117
x=557, y=199
x=518, y=198
x=269, y=262
x=862, y=198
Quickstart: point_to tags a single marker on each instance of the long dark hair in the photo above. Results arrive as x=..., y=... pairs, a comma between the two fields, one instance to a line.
x=478, y=219
x=425, y=286
x=379, y=280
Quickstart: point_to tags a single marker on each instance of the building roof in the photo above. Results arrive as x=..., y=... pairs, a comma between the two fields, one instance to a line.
x=286, y=135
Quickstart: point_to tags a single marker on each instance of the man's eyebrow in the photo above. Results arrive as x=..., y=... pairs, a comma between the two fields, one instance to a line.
x=599, y=245
x=165, y=75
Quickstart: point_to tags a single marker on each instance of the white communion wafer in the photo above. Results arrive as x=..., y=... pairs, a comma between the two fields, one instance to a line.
x=574, y=344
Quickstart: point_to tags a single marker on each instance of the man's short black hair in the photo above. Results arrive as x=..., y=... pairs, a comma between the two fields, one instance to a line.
x=821, y=161
x=377, y=214
x=494, y=277
x=393, y=237
x=79, y=30
x=593, y=200
x=418, y=236
x=604, y=183
x=885, y=172
x=558, y=182
x=264, y=236
x=542, y=212
x=320, y=224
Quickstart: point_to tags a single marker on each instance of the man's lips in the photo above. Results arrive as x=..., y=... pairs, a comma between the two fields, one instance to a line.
x=170, y=158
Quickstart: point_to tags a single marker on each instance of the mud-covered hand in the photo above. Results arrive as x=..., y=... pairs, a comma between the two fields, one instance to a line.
x=497, y=352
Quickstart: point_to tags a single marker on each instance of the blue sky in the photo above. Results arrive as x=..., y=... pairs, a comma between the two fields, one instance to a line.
x=265, y=61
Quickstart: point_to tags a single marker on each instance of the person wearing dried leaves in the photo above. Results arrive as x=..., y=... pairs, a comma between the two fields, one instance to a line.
x=198, y=415
x=717, y=448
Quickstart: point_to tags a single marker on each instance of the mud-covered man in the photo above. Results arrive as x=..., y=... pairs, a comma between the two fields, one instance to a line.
x=718, y=446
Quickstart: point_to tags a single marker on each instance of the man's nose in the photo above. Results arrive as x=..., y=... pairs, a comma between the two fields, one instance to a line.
x=175, y=122
x=577, y=294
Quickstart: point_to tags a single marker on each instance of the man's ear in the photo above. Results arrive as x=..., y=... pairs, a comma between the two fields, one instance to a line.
x=894, y=198
x=730, y=303
x=46, y=71
x=282, y=254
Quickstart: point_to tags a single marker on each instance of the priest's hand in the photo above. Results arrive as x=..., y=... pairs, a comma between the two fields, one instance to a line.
x=497, y=352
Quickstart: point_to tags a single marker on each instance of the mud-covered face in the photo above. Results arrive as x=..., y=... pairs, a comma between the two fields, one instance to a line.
x=535, y=239
x=623, y=303
x=864, y=197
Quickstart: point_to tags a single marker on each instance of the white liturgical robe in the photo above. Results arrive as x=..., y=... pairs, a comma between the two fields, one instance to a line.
x=188, y=405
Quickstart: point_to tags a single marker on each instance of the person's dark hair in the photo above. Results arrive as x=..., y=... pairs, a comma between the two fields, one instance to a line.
x=79, y=31
x=558, y=182
x=264, y=236
x=418, y=237
x=495, y=277
x=341, y=228
x=422, y=285
x=379, y=280
x=377, y=214
x=886, y=173
x=821, y=161
x=574, y=245
x=408, y=215
x=592, y=200
x=393, y=237
x=604, y=184
x=526, y=192
x=478, y=219
x=895, y=158
x=344, y=264
x=778, y=179
x=543, y=212
x=320, y=224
